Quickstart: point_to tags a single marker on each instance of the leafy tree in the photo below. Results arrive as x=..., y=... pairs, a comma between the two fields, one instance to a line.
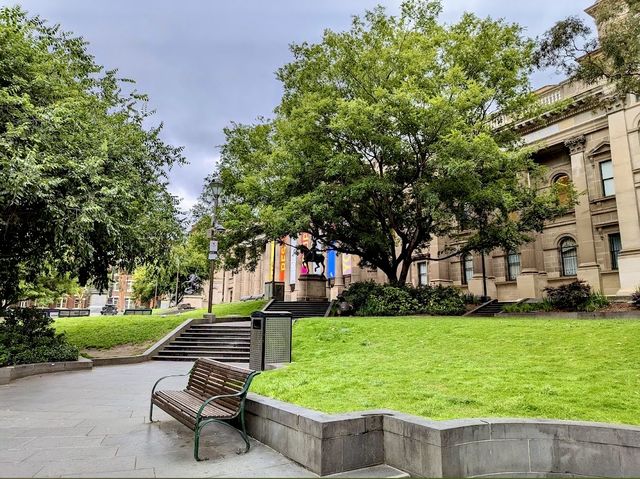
x=82, y=179
x=571, y=46
x=49, y=287
x=187, y=257
x=386, y=137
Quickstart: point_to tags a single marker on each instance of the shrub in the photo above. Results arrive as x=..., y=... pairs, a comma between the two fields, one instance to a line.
x=596, y=302
x=523, y=308
x=569, y=297
x=444, y=301
x=358, y=293
x=27, y=336
x=389, y=301
x=635, y=298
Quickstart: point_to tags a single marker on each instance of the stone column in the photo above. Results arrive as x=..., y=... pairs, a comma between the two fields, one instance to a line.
x=531, y=280
x=338, y=285
x=476, y=286
x=626, y=200
x=438, y=270
x=588, y=267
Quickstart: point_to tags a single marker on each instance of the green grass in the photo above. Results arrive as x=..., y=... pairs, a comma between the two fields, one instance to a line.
x=105, y=332
x=445, y=368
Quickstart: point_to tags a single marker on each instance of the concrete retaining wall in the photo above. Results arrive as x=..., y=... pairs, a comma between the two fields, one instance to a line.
x=9, y=373
x=328, y=444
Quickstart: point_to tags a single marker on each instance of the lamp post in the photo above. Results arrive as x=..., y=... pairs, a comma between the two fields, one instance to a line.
x=216, y=189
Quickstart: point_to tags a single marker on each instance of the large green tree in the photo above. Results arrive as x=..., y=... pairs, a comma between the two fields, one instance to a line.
x=387, y=136
x=614, y=56
x=82, y=178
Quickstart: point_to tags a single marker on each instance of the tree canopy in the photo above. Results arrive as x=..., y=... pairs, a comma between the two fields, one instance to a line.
x=82, y=178
x=386, y=136
x=614, y=56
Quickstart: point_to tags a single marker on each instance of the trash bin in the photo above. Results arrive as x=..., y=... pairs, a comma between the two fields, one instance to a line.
x=270, y=339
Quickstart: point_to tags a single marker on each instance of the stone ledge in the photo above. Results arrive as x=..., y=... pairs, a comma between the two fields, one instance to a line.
x=332, y=444
x=11, y=373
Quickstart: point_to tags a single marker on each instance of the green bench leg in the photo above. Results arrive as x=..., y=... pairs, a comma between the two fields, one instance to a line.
x=202, y=424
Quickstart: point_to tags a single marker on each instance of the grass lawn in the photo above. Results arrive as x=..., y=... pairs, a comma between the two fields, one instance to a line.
x=105, y=332
x=445, y=368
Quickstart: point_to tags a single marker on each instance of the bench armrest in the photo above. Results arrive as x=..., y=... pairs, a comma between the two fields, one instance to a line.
x=170, y=376
x=241, y=393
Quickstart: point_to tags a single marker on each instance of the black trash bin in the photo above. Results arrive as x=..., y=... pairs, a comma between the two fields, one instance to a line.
x=270, y=338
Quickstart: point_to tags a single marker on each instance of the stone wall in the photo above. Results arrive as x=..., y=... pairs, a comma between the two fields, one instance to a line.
x=328, y=444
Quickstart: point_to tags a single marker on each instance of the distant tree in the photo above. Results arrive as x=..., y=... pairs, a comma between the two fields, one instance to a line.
x=49, y=287
x=385, y=137
x=572, y=47
x=187, y=256
x=82, y=179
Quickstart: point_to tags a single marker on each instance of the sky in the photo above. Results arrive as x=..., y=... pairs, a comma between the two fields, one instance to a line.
x=207, y=63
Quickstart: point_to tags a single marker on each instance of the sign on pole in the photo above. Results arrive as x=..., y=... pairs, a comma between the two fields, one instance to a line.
x=213, y=246
x=213, y=255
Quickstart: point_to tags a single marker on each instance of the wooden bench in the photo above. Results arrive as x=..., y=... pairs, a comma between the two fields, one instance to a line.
x=215, y=392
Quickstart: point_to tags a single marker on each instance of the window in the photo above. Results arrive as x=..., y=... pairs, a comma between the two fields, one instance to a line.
x=467, y=268
x=615, y=245
x=562, y=183
x=423, y=273
x=129, y=284
x=569, y=257
x=513, y=266
x=606, y=174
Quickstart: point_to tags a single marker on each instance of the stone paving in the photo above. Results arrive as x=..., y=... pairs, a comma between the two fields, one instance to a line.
x=95, y=424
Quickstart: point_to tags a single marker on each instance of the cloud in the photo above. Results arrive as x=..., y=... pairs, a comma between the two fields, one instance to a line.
x=205, y=63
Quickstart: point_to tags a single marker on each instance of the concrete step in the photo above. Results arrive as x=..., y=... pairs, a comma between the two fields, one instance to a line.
x=201, y=347
x=373, y=472
x=165, y=357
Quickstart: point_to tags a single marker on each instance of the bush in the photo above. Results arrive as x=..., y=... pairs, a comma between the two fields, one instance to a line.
x=570, y=297
x=358, y=293
x=390, y=301
x=440, y=300
x=27, y=336
x=635, y=298
x=523, y=308
x=596, y=302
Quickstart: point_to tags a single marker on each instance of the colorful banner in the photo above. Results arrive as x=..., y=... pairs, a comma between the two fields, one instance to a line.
x=293, y=261
x=283, y=262
x=346, y=265
x=272, y=261
x=331, y=264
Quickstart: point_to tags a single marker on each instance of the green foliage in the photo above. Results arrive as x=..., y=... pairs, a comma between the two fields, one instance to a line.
x=390, y=301
x=82, y=178
x=373, y=299
x=439, y=300
x=49, y=286
x=385, y=138
x=528, y=307
x=187, y=256
x=615, y=56
x=569, y=297
x=635, y=298
x=596, y=302
x=27, y=336
x=451, y=368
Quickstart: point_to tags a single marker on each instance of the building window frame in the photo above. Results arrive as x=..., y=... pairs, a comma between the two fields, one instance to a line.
x=466, y=266
x=607, y=183
x=422, y=268
x=564, y=180
x=513, y=265
x=615, y=246
x=568, y=250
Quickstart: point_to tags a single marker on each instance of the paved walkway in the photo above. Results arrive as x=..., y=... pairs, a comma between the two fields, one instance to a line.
x=95, y=424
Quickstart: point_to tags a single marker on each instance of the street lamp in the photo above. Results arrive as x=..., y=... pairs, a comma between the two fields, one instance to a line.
x=216, y=190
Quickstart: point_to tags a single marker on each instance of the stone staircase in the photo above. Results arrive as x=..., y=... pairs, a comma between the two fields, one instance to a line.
x=300, y=309
x=491, y=309
x=226, y=342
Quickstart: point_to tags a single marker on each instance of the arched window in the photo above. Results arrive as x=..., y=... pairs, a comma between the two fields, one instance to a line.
x=569, y=257
x=513, y=265
x=562, y=182
x=467, y=268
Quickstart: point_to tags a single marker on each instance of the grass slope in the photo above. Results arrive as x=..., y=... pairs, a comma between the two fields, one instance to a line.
x=105, y=332
x=445, y=368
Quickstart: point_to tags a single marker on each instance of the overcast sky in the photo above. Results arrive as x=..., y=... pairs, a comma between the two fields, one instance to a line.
x=205, y=63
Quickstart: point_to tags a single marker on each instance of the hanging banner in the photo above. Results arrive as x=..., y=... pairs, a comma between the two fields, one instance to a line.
x=272, y=261
x=346, y=265
x=293, y=261
x=283, y=263
x=331, y=264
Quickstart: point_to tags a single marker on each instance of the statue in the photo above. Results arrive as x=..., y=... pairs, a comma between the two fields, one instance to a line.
x=192, y=284
x=312, y=255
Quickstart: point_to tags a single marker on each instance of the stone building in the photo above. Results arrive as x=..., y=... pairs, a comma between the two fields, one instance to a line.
x=594, y=143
